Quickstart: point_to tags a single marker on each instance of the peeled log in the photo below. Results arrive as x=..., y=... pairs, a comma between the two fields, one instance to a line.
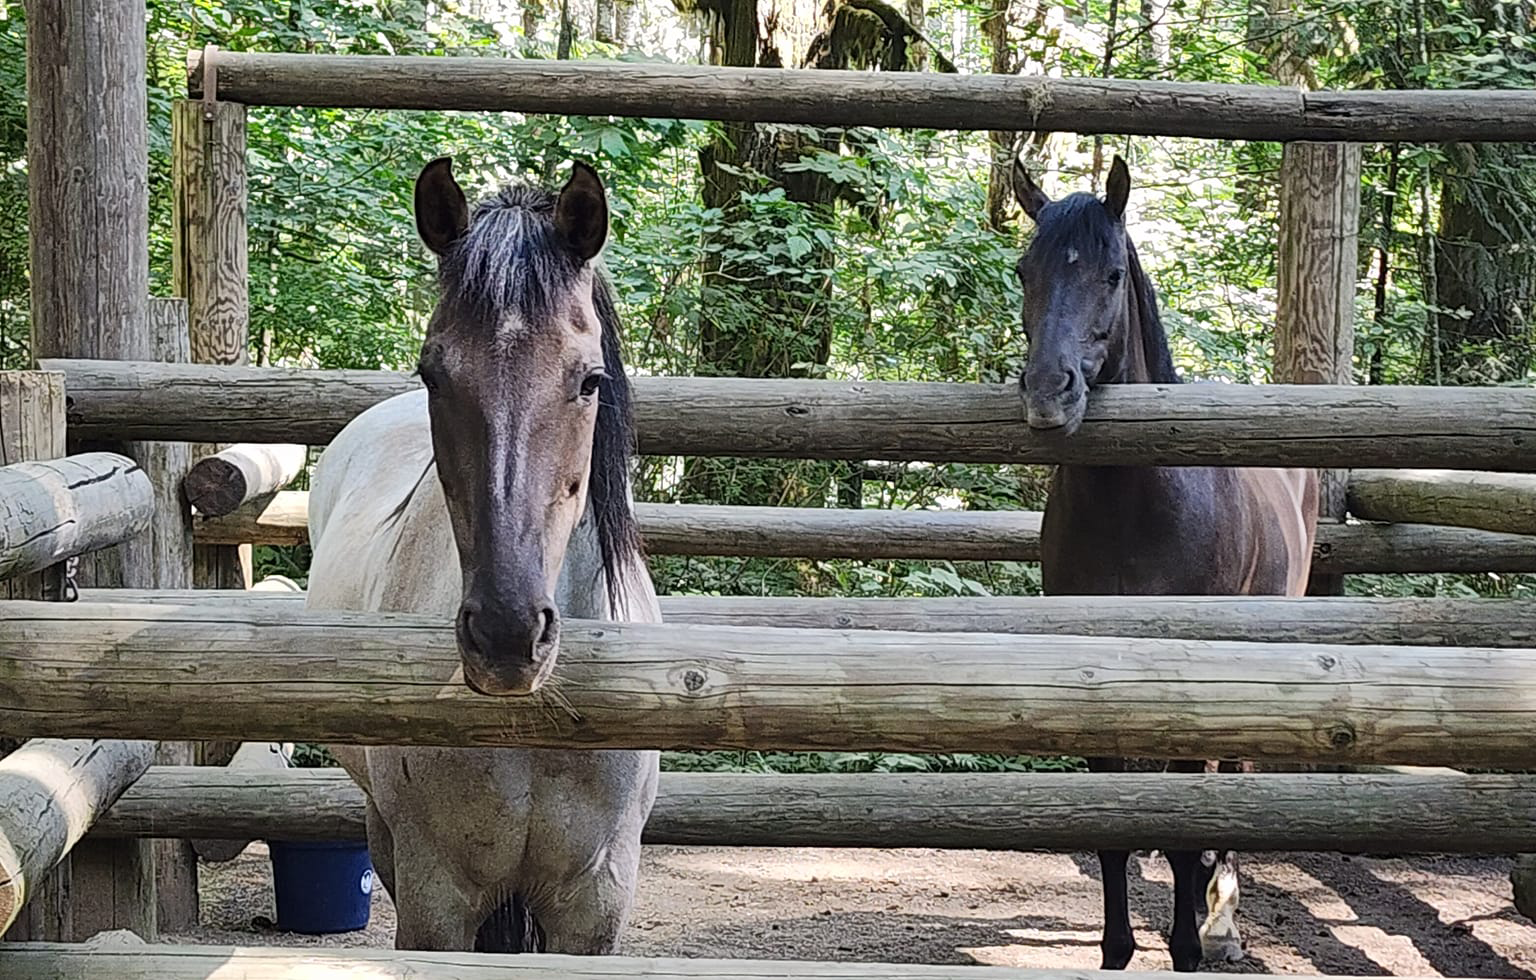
x=51, y=792
x=1405, y=621
x=47, y=961
x=56, y=509
x=222, y=483
x=1127, y=425
x=1503, y=502
x=819, y=97
x=950, y=535
x=1356, y=813
x=266, y=671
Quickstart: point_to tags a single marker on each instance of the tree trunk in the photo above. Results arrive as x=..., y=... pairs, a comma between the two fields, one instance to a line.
x=604, y=22
x=1485, y=267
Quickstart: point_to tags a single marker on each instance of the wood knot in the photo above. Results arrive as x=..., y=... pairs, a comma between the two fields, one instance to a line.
x=693, y=680
x=1327, y=661
x=1342, y=735
x=796, y=410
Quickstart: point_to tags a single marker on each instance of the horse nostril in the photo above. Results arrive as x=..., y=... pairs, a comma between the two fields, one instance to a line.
x=549, y=625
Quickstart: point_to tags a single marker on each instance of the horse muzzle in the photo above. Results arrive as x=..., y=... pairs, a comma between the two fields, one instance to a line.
x=1054, y=401
x=507, y=655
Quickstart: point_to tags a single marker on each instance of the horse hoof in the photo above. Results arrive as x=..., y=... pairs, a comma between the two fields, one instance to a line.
x=1117, y=958
x=1223, y=951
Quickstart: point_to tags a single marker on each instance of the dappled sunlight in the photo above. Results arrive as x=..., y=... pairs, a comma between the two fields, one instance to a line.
x=1320, y=900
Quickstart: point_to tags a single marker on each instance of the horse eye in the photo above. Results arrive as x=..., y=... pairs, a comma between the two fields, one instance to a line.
x=1115, y=275
x=590, y=383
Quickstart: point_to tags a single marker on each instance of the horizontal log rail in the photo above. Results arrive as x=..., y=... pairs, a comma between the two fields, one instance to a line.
x=1491, y=428
x=260, y=671
x=46, y=961
x=849, y=98
x=1500, y=502
x=55, y=509
x=947, y=535
x=1353, y=813
x=1422, y=622
x=51, y=792
x=239, y=475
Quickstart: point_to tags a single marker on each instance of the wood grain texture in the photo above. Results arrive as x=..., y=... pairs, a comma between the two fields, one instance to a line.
x=1354, y=813
x=1198, y=424
x=42, y=961
x=1418, y=622
x=87, y=160
x=261, y=671
x=163, y=555
x=1317, y=268
x=241, y=474
x=209, y=260
x=848, y=98
x=51, y=791
x=53, y=510
x=1502, y=502
x=790, y=532
x=32, y=428
x=209, y=253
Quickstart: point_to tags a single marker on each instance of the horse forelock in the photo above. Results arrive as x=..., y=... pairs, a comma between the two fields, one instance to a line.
x=514, y=272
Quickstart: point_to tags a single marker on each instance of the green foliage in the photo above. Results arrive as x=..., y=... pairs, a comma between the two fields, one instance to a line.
x=825, y=762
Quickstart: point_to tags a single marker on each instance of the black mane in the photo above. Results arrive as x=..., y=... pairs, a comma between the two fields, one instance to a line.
x=513, y=261
x=1154, y=339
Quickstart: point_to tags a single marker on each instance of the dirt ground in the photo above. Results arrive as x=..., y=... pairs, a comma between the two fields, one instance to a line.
x=1304, y=913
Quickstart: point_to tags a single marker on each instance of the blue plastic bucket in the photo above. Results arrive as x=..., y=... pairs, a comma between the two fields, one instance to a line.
x=321, y=886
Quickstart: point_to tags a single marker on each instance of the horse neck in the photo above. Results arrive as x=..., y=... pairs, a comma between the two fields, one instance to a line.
x=1146, y=351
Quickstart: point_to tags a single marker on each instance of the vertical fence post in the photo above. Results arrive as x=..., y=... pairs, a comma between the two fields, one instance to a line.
x=170, y=557
x=210, y=268
x=32, y=427
x=1316, y=274
x=88, y=191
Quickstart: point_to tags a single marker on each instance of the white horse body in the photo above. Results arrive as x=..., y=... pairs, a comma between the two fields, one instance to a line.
x=455, y=833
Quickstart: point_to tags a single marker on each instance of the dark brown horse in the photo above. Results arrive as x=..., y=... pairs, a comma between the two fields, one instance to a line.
x=1091, y=317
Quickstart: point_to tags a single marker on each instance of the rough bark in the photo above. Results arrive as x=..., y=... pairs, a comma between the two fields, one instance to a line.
x=903, y=100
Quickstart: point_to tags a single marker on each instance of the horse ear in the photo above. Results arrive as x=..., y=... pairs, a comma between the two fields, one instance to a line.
x=442, y=214
x=581, y=213
x=1117, y=190
x=1030, y=197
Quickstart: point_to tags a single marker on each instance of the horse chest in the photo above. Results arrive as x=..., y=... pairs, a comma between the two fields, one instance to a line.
x=1143, y=532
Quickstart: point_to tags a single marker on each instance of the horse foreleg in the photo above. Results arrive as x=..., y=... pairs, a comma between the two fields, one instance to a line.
x=432, y=910
x=1189, y=879
x=586, y=917
x=1119, y=942
x=381, y=848
x=1219, y=937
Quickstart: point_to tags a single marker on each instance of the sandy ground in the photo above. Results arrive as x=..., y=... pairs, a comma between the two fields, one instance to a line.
x=1323, y=913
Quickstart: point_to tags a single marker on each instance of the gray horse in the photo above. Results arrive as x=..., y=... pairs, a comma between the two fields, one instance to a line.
x=526, y=422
